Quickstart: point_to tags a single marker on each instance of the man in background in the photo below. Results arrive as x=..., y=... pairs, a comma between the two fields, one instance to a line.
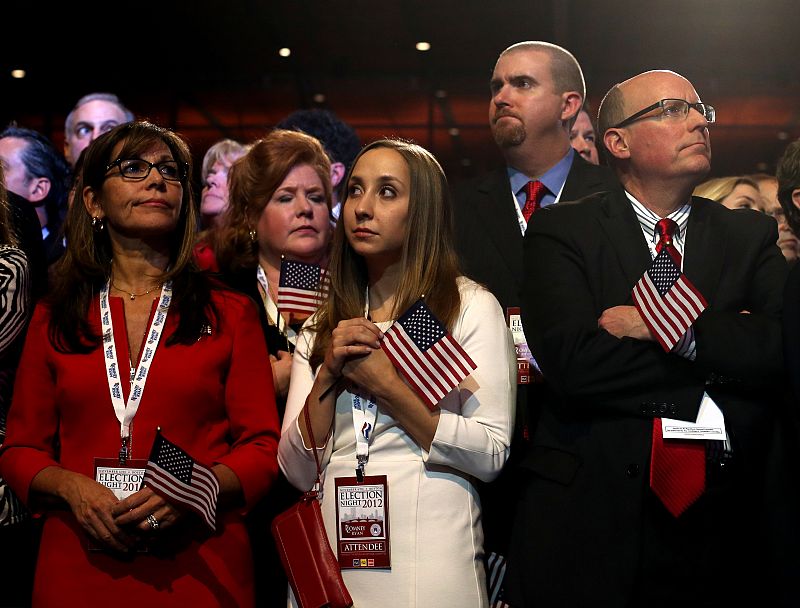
x=38, y=173
x=787, y=239
x=93, y=115
x=582, y=137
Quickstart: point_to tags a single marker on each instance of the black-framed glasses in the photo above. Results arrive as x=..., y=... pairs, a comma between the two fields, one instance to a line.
x=137, y=169
x=672, y=108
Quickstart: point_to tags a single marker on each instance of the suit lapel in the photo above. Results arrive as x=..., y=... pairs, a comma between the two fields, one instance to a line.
x=583, y=179
x=620, y=225
x=496, y=214
x=704, y=251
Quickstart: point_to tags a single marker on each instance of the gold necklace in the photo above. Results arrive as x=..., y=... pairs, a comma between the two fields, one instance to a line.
x=136, y=295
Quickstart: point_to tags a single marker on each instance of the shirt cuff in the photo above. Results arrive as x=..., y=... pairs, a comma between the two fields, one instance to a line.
x=686, y=346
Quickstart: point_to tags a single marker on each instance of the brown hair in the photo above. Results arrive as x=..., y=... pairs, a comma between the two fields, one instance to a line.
x=429, y=261
x=86, y=265
x=253, y=179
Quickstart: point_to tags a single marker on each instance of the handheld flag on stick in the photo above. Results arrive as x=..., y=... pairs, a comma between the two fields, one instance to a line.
x=302, y=288
x=176, y=477
x=427, y=356
x=667, y=300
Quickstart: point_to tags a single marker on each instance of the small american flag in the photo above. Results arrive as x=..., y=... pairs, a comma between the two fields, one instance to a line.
x=302, y=288
x=667, y=300
x=176, y=477
x=425, y=354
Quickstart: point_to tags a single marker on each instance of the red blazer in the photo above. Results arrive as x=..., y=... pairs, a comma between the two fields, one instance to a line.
x=214, y=398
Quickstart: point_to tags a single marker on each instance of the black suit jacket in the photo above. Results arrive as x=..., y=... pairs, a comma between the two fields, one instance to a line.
x=488, y=238
x=489, y=244
x=579, y=531
x=784, y=491
x=791, y=329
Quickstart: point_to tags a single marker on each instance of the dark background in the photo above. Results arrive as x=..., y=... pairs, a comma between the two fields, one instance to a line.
x=210, y=69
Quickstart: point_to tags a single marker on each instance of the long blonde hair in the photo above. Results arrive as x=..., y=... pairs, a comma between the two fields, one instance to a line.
x=429, y=261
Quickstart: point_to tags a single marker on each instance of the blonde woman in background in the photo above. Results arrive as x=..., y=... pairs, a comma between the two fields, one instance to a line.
x=214, y=173
x=214, y=197
x=734, y=192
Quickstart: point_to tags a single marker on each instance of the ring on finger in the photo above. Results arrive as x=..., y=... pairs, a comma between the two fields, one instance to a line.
x=151, y=519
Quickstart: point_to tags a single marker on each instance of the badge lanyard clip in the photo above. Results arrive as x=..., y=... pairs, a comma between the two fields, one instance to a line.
x=124, y=450
x=365, y=412
x=362, y=462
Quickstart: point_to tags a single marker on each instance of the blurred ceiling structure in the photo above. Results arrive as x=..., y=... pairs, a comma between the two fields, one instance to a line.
x=211, y=70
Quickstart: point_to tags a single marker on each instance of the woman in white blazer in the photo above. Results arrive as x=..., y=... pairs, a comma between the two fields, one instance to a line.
x=392, y=245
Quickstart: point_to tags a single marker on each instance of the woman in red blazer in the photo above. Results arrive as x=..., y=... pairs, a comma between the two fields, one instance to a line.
x=135, y=339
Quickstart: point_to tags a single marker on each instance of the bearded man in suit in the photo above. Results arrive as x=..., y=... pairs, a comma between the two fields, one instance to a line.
x=537, y=90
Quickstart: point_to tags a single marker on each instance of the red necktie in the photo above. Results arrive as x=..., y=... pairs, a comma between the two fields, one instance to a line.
x=666, y=229
x=677, y=466
x=534, y=191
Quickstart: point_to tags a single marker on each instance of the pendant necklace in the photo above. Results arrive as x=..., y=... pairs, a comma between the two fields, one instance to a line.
x=132, y=295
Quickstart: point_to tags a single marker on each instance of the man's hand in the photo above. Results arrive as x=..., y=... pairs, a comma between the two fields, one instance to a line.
x=624, y=322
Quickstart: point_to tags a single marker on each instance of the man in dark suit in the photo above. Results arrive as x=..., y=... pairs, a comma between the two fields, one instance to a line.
x=537, y=89
x=786, y=492
x=590, y=528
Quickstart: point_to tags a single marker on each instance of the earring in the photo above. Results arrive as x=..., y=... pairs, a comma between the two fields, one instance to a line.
x=98, y=224
x=253, y=235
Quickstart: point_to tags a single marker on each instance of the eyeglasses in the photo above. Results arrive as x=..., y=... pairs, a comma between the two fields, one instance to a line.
x=672, y=108
x=137, y=169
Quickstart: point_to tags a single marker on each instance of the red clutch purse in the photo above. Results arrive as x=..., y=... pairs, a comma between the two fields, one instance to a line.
x=310, y=564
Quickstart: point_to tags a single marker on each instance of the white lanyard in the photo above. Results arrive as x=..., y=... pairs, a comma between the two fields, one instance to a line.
x=126, y=411
x=523, y=223
x=365, y=412
x=273, y=314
